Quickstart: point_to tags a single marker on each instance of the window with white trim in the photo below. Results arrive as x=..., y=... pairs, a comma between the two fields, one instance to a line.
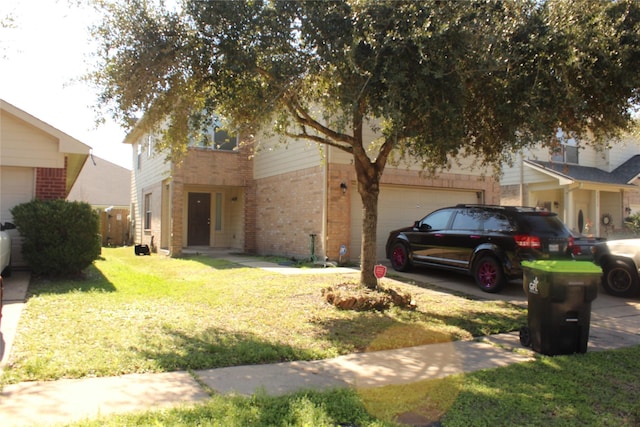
x=147, y=211
x=565, y=153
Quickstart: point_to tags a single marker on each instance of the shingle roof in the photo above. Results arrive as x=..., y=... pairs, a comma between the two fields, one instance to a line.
x=623, y=175
x=630, y=169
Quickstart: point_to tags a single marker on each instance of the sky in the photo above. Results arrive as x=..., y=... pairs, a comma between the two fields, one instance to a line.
x=41, y=61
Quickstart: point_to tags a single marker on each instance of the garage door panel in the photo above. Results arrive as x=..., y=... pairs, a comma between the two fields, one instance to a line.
x=400, y=207
x=16, y=187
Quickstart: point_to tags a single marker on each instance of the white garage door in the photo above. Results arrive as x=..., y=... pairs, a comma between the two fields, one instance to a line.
x=16, y=186
x=400, y=207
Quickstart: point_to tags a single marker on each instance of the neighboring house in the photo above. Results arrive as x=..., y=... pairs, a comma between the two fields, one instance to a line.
x=592, y=191
x=37, y=161
x=107, y=188
x=298, y=200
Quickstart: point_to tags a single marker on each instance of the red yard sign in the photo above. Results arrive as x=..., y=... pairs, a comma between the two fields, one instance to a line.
x=380, y=271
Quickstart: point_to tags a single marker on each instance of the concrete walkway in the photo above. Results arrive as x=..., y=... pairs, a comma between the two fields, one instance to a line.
x=615, y=323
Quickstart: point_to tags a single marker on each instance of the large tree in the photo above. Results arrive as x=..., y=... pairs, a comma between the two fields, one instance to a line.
x=440, y=79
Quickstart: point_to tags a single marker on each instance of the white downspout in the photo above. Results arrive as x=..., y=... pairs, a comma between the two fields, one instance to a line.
x=521, y=202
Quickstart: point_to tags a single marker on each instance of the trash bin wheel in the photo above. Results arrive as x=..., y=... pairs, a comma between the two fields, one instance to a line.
x=525, y=336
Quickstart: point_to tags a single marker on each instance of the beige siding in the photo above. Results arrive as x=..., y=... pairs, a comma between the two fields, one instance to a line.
x=149, y=170
x=463, y=165
x=511, y=174
x=274, y=158
x=623, y=151
x=26, y=145
x=589, y=157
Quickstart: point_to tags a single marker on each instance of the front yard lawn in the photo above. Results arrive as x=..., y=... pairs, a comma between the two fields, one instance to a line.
x=132, y=314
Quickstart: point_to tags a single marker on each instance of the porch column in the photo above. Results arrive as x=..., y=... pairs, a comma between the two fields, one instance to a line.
x=597, y=211
x=569, y=210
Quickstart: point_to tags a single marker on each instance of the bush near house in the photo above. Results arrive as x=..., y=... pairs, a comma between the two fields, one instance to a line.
x=60, y=237
x=632, y=223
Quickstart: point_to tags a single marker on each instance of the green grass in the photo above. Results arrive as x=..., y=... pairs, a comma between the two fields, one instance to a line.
x=305, y=409
x=592, y=389
x=155, y=314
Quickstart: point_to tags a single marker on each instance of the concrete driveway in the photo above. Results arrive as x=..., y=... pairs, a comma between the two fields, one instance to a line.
x=615, y=322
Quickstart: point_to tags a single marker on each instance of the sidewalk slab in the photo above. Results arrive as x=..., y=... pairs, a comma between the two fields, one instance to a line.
x=364, y=370
x=46, y=403
x=288, y=270
x=15, y=291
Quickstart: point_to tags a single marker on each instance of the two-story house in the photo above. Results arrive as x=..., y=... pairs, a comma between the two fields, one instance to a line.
x=298, y=200
x=592, y=191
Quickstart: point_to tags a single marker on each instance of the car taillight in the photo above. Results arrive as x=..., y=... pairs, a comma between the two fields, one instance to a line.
x=527, y=241
x=575, y=250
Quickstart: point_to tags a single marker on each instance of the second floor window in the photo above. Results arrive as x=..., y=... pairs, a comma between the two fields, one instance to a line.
x=216, y=138
x=566, y=153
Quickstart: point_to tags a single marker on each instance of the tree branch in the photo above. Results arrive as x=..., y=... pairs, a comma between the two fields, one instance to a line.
x=301, y=116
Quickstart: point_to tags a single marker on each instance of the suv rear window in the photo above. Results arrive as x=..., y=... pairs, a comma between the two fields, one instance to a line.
x=541, y=224
x=497, y=222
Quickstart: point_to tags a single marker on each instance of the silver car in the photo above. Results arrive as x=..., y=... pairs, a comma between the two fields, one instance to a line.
x=5, y=249
x=620, y=262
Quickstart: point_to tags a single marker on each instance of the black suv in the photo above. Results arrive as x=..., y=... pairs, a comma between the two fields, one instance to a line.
x=486, y=241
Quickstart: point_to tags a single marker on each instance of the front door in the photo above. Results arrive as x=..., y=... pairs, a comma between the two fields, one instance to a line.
x=199, y=224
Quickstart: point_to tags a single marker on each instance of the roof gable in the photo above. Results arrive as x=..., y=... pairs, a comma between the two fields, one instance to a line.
x=55, y=144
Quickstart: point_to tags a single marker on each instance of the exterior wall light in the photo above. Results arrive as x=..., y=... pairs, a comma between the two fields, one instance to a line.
x=343, y=187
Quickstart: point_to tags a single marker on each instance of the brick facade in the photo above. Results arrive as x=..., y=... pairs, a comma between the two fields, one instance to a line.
x=338, y=208
x=510, y=196
x=488, y=186
x=291, y=206
x=290, y=209
x=51, y=183
x=275, y=214
x=208, y=169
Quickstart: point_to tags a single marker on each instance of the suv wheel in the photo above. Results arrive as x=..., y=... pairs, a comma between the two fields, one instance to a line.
x=488, y=274
x=400, y=257
x=620, y=279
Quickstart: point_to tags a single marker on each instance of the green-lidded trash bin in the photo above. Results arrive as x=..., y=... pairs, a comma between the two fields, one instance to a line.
x=559, y=296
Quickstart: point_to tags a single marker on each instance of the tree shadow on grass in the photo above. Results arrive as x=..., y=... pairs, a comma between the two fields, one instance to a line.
x=90, y=280
x=381, y=330
x=216, y=348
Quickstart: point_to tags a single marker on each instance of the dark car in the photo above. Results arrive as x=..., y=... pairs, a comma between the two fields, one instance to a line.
x=619, y=260
x=486, y=241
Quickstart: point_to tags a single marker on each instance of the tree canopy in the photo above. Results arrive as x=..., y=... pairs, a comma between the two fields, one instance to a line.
x=441, y=79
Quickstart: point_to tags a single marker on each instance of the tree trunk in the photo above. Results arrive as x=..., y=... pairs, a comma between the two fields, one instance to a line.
x=368, y=251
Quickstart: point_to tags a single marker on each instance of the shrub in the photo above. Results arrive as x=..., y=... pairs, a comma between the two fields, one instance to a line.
x=60, y=238
x=632, y=223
